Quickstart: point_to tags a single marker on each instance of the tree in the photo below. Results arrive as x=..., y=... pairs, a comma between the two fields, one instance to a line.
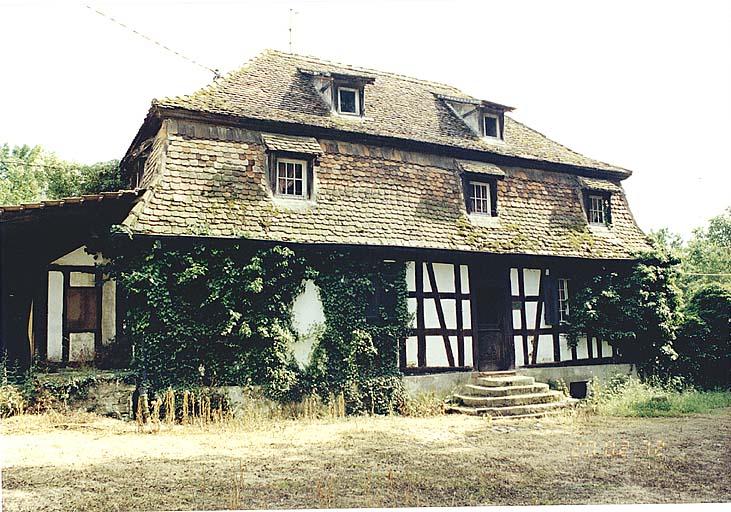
x=704, y=342
x=707, y=255
x=29, y=174
x=637, y=311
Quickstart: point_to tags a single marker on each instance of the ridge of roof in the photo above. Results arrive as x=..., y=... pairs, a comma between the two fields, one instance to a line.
x=267, y=88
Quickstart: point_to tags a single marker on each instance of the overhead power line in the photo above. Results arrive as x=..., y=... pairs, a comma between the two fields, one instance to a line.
x=215, y=72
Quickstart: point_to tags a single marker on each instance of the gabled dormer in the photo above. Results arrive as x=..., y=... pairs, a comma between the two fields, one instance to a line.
x=485, y=118
x=343, y=93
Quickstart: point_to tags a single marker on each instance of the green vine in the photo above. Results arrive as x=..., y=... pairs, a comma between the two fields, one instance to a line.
x=207, y=315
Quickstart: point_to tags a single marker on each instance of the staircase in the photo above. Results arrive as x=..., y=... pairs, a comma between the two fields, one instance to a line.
x=506, y=394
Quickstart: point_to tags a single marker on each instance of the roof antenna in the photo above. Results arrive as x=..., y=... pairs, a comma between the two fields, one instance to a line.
x=292, y=14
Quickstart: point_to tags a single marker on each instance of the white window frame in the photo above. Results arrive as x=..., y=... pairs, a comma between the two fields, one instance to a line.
x=356, y=92
x=498, y=135
x=294, y=161
x=474, y=200
x=563, y=299
x=597, y=217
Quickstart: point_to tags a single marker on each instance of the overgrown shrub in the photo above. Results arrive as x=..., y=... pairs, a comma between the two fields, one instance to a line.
x=704, y=339
x=12, y=402
x=637, y=311
x=206, y=315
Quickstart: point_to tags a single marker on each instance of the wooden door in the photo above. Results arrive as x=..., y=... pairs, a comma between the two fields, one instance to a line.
x=493, y=350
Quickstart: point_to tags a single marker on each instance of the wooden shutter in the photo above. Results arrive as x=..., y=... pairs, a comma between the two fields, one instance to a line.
x=466, y=187
x=550, y=299
x=493, y=198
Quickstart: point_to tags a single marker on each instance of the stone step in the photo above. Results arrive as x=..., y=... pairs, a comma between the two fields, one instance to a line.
x=471, y=411
x=474, y=389
x=511, y=411
x=511, y=400
x=508, y=380
x=496, y=373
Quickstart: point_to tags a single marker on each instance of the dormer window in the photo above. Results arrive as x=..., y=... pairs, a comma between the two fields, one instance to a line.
x=348, y=101
x=480, y=187
x=486, y=119
x=491, y=126
x=480, y=198
x=291, y=180
x=598, y=208
x=291, y=163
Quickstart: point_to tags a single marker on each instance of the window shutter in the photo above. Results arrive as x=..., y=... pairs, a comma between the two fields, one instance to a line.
x=272, y=164
x=466, y=188
x=310, y=176
x=608, y=208
x=361, y=98
x=550, y=299
x=493, y=198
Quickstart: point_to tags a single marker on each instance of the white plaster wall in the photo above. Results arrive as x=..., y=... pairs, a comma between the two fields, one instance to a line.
x=109, y=311
x=464, y=273
x=307, y=318
x=545, y=349
x=436, y=352
x=518, y=344
x=468, y=360
x=517, y=320
x=55, y=312
x=410, y=276
x=412, y=351
x=81, y=346
x=531, y=308
x=76, y=257
x=514, y=288
x=606, y=349
x=532, y=277
x=82, y=279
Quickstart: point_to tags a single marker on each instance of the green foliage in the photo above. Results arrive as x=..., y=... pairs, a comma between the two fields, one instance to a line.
x=708, y=252
x=704, y=339
x=200, y=315
x=206, y=316
x=357, y=353
x=637, y=311
x=629, y=397
x=29, y=174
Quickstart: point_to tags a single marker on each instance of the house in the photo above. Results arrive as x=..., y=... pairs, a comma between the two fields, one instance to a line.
x=495, y=221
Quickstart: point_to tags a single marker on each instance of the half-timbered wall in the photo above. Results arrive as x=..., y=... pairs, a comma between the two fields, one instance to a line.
x=536, y=341
x=80, y=309
x=441, y=330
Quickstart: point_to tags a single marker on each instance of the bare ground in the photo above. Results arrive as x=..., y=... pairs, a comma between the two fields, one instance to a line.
x=90, y=463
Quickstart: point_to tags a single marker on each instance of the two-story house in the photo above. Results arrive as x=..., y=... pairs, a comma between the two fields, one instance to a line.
x=496, y=221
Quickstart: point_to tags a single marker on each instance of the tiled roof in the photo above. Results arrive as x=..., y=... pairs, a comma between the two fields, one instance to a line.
x=305, y=145
x=273, y=87
x=371, y=195
x=6, y=211
x=481, y=168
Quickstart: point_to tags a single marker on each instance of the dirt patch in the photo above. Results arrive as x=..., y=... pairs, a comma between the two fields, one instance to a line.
x=84, y=462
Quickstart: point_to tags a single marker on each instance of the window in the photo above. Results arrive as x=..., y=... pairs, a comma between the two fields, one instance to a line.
x=348, y=101
x=490, y=126
x=563, y=300
x=480, y=198
x=598, y=209
x=291, y=178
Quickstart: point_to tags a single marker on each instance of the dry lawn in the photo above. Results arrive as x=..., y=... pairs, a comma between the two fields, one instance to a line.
x=84, y=462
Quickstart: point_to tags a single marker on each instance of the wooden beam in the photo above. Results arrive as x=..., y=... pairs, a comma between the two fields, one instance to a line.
x=440, y=313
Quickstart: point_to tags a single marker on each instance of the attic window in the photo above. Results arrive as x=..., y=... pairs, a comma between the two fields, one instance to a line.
x=491, y=126
x=480, y=198
x=348, y=101
x=598, y=208
x=291, y=180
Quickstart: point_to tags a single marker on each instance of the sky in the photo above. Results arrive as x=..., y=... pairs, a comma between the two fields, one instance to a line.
x=645, y=85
